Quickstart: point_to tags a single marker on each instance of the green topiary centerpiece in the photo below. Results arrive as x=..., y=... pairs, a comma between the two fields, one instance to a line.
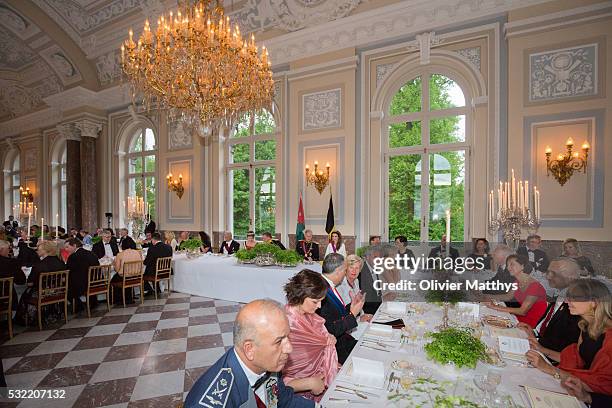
x=264, y=254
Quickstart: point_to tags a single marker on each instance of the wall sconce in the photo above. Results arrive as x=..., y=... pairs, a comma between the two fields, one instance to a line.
x=26, y=195
x=564, y=166
x=317, y=177
x=176, y=185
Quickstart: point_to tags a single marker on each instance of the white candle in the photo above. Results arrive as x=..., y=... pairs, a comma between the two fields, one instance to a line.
x=56, y=226
x=513, y=191
x=29, y=222
x=42, y=229
x=527, y=194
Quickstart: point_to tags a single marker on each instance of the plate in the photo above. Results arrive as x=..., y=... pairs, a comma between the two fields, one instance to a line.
x=497, y=321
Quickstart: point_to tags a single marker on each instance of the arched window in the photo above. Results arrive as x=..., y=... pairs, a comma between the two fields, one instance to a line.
x=63, y=196
x=141, y=162
x=425, y=156
x=12, y=181
x=251, y=158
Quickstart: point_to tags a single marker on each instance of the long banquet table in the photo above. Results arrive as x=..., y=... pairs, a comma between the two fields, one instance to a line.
x=221, y=277
x=425, y=317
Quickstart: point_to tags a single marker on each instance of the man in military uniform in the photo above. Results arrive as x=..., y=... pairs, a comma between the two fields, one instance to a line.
x=307, y=247
x=248, y=374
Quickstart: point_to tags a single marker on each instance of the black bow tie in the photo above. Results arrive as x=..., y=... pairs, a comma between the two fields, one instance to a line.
x=261, y=380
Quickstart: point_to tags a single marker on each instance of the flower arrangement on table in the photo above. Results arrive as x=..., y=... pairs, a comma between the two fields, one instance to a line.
x=264, y=254
x=192, y=247
x=456, y=346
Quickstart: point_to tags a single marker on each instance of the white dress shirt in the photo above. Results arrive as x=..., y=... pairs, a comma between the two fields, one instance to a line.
x=108, y=251
x=252, y=378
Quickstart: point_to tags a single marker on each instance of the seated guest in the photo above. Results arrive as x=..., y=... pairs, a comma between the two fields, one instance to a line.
x=481, y=252
x=74, y=233
x=350, y=284
x=558, y=328
x=169, y=239
x=206, y=243
x=123, y=236
x=128, y=254
x=373, y=297
x=530, y=294
x=49, y=262
x=374, y=240
x=537, y=258
x=157, y=250
x=229, y=246
x=27, y=256
x=340, y=318
x=9, y=268
x=249, y=373
x=62, y=233
x=313, y=363
x=266, y=237
x=401, y=242
x=107, y=248
x=79, y=261
x=590, y=359
x=575, y=387
x=183, y=236
x=150, y=227
x=98, y=232
x=10, y=226
x=335, y=245
x=85, y=237
x=440, y=250
x=571, y=249
x=500, y=254
x=250, y=241
x=146, y=243
x=307, y=247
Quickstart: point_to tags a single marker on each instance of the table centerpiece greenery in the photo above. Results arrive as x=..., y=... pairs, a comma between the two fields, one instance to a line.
x=456, y=346
x=267, y=253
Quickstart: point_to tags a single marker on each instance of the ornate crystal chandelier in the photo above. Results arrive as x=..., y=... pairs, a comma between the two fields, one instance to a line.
x=197, y=67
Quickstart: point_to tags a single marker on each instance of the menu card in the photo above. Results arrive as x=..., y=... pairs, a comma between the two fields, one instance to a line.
x=549, y=399
x=513, y=348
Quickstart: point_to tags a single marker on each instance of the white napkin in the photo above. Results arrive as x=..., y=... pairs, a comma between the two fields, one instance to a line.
x=395, y=307
x=369, y=372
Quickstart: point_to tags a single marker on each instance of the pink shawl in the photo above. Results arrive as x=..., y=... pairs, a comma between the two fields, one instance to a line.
x=311, y=355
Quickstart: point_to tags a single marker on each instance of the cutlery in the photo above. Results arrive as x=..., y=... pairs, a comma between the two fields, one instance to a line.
x=350, y=401
x=375, y=348
x=362, y=392
x=360, y=395
x=391, y=379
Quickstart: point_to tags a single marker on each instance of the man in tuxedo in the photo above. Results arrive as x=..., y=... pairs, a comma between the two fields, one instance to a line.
x=340, y=318
x=373, y=297
x=123, y=236
x=249, y=374
x=440, y=250
x=266, y=237
x=158, y=249
x=11, y=226
x=9, y=268
x=150, y=227
x=537, y=258
x=79, y=261
x=228, y=246
x=107, y=247
x=27, y=256
x=307, y=247
x=557, y=328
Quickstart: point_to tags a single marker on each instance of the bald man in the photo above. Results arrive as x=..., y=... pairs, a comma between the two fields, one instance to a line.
x=248, y=374
x=558, y=328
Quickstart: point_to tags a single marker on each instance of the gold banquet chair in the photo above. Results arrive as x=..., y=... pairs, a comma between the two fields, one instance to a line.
x=6, y=302
x=132, y=278
x=98, y=282
x=162, y=272
x=52, y=289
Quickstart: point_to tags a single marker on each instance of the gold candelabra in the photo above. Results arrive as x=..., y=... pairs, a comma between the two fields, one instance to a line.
x=564, y=166
x=176, y=185
x=199, y=68
x=317, y=177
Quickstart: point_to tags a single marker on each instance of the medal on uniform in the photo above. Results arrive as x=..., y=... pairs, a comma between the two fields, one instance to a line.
x=272, y=392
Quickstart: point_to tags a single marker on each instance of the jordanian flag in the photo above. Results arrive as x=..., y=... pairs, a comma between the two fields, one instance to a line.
x=301, y=225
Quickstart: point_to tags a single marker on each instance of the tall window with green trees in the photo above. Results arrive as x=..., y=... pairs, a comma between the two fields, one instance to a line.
x=141, y=162
x=425, y=157
x=252, y=174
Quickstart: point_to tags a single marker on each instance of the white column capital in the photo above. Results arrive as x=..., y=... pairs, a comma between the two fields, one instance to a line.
x=68, y=131
x=88, y=128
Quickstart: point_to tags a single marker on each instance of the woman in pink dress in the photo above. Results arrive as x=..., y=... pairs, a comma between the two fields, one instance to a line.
x=313, y=363
x=529, y=293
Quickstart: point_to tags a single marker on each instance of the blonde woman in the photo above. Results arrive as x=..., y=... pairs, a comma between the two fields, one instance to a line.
x=571, y=249
x=590, y=360
x=170, y=239
x=128, y=253
x=350, y=284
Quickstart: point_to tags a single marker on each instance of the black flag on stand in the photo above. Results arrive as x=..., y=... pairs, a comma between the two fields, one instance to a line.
x=330, y=223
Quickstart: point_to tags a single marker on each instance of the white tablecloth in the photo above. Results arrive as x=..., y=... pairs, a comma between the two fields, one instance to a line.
x=221, y=277
x=513, y=375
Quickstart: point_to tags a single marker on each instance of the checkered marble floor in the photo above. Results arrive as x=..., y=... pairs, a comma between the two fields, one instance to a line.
x=140, y=356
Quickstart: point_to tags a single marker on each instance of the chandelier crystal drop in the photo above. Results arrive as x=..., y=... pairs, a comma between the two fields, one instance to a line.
x=197, y=67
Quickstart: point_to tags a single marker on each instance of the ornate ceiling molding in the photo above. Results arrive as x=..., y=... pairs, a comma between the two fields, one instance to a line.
x=384, y=23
